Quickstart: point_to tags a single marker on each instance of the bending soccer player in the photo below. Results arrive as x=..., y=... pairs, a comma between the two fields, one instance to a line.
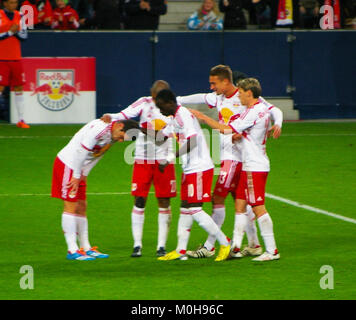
x=225, y=98
x=70, y=170
x=145, y=170
x=198, y=171
x=252, y=130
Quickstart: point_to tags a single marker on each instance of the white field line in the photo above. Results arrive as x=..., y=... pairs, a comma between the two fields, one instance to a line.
x=268, y=195
x=309, y=208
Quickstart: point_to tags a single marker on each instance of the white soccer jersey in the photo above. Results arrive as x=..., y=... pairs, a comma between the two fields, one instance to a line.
x=86, y=147
x=185, y=125
x=151, y=118
x=227, y=107
x=253, y=124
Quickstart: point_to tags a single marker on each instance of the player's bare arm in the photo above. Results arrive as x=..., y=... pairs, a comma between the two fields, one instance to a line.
x=106, y=118
x=275, y=131
x=190, y=144
x=211, y=122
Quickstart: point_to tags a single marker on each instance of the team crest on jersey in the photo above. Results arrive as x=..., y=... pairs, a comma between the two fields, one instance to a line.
x=55, y=89
x=226, y=114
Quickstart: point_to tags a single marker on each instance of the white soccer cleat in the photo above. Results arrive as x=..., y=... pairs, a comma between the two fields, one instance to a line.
x=250, y=251
x=266, y=256
x=235, y=253
x=201, y=252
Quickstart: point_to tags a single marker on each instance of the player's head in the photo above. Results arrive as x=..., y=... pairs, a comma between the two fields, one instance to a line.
x=237, y=76
x=166, y=102
x=249, y=90
x=125, y=130
x=10, y=5
x=61, y=3
x=220, y=78
x=157, y=87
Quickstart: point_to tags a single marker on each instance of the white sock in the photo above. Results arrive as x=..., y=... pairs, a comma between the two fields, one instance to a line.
x=20, y=104
x=164, y=221
x=251, y=230
x=137, y=219
x=218, y=216
x=185, y=223
x=266, y=226
x=83, y=235
x=239, y=229
x=208, y=224
x=69, y=226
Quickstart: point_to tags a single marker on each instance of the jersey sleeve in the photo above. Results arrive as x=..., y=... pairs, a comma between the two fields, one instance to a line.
x=245, y=121
x=132, y=111
x=198, y=98
x=277, y=115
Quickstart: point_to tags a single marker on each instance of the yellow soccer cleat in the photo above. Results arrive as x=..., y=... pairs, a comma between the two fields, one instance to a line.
x=173, y=255
x=223, y=253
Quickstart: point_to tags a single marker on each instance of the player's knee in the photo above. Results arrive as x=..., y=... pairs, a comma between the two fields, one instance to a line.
x=140, y=202
x=81, y=208
x=184, y=204
x=218, y=199
x=18, y=88
x=163, y=202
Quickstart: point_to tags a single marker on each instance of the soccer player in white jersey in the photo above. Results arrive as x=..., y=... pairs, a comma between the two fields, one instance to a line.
x=198, y=171
x=252, y=128
x=225, y=98
x=145, y=170
x=70, y=170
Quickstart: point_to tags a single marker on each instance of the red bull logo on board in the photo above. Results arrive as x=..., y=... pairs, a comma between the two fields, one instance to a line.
x=55, y=89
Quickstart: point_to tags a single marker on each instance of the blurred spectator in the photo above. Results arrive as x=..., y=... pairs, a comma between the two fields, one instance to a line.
x=64, y=16
x=349, y=14
x=42, y=10
x=144, y=14
x=207, y=17
x=262, y=13
x=309, y=13
x=103, y=14
x=284, y=13
x=84, y=9
x=234, y=15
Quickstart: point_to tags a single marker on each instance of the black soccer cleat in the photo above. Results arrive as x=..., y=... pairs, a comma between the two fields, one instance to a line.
x=136, y=252
x=161, y=252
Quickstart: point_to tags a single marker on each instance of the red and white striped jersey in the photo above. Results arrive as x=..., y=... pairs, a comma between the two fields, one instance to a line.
x=185, y=125
x=253, y=124
x=151, y=118
x=86, y=147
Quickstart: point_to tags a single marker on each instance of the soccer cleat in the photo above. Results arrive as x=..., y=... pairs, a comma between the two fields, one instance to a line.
x=250, y=251
x=79, y=255
x=223, y=253
x=161, y=252
x=201, y=252
x=22, y=124
x=235, y=253
x=266, y=256
x=93, y=252
x=136, y=252
x=173, y=255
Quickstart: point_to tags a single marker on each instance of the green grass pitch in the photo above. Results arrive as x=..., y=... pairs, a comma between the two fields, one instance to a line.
x=312, y=163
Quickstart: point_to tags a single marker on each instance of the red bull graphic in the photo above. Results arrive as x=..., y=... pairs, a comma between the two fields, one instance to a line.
x=55, y=89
